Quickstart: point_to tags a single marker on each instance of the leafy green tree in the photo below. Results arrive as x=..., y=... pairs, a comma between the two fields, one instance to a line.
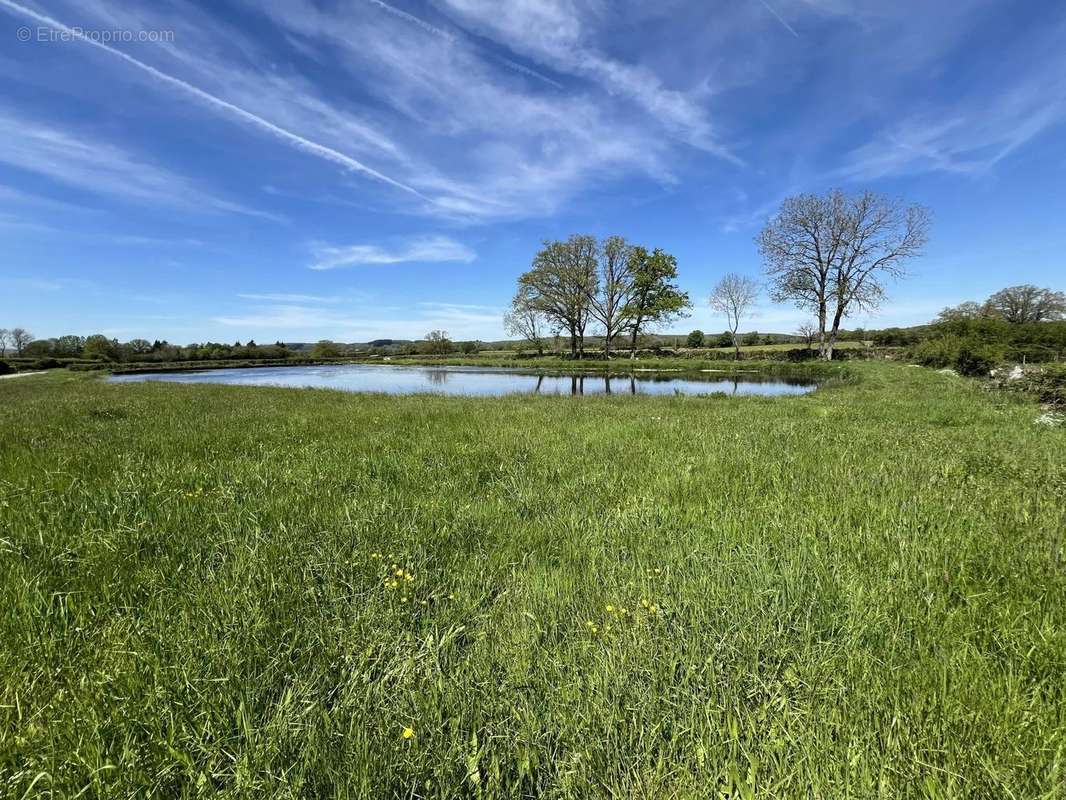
x=560, y=284
x=695, y=339
x=655, y=298
x=69, y=346
x=39, y=347
x=139, y=347
x=99, y=346
x=324, y=348
x=438, y=342
x=1027, y=303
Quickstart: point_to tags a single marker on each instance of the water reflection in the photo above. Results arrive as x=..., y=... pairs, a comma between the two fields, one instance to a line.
x=484, y=382
x=599, y=384
x=437, y=377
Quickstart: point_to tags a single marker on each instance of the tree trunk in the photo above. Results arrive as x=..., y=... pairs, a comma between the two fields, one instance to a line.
x=573, y=342
x=736, y=347
x=633, y=344
x=607, y=346
x=833, y=336
x=821, y=329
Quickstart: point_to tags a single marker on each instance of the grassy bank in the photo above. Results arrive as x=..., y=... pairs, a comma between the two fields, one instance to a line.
x=857, y=592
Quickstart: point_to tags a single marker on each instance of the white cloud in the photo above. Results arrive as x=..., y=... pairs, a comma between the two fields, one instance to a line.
x=428, y=249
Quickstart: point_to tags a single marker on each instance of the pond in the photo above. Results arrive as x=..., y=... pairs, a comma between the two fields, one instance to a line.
x=482, y=381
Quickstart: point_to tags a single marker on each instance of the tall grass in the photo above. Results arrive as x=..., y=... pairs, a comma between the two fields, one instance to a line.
x=855, y=593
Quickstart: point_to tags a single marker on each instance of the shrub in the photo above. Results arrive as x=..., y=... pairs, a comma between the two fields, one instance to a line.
x=45, y=363
x=6, y=369
x=968, y=355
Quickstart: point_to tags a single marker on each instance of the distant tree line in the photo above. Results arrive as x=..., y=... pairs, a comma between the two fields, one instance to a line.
x=99, y=347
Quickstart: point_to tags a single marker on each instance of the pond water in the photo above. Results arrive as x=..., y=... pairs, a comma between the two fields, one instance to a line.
x=482, y=381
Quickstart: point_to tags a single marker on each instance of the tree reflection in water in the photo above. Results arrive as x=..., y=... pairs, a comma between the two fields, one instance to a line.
x=577, y=384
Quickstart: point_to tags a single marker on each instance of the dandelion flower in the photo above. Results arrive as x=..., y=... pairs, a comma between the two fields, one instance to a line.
x=610, y=609
x=408, y=733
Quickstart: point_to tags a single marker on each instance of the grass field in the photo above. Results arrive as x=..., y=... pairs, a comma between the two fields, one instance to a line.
x=249, y=592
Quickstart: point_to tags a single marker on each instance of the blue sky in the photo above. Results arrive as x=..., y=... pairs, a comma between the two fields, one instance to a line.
x=298, y=170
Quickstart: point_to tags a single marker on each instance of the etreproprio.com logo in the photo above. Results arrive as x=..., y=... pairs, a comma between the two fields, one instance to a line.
x=112, y=36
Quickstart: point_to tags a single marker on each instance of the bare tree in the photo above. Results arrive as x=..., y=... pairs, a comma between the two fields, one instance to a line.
x=808, y=330
x=5, y=340
x=525, y=320
x=832, y=253
x=20, y=337
x=559, y=284
x=734, y=296
x=1027, y=303
x=615, y=287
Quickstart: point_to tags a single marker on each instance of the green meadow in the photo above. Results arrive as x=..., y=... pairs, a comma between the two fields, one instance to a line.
x=217, y=591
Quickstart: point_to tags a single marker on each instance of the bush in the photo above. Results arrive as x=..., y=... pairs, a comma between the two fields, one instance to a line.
x=45, y=363
x=6, y=369
x=967, y=355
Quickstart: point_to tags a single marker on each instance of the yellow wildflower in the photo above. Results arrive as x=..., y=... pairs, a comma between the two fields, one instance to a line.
x=408, y=733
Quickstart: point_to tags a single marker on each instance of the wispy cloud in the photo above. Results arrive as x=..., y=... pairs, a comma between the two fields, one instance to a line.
x=217, y=103
x=428, y=249
x=280, y=297
x=102, y=168
x=553, y=33
x=970, y=138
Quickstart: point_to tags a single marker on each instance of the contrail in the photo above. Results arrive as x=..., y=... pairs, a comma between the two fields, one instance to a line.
x=452, y=38
x=530, y=72
x=780, y=19
x=299, y=142
x=421, y=23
